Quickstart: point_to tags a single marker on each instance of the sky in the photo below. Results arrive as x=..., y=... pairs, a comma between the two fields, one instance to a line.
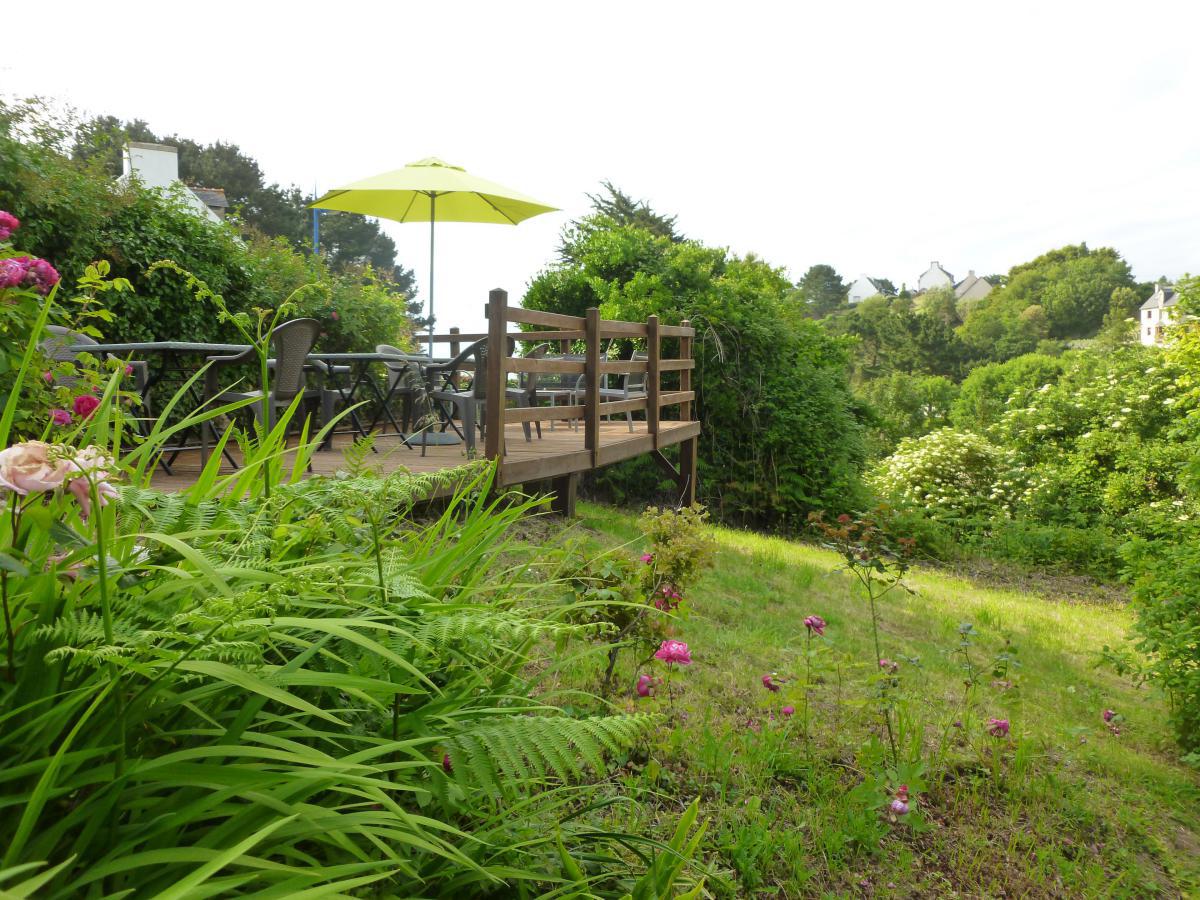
x=874, y=137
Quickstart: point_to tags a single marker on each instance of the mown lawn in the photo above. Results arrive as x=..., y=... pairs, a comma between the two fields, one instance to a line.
x=1065, y=808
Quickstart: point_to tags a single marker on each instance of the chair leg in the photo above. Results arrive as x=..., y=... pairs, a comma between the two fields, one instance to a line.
x=468, y=415
x=629, y=418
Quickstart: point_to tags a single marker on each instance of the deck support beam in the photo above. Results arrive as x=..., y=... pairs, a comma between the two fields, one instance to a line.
x=564, y=489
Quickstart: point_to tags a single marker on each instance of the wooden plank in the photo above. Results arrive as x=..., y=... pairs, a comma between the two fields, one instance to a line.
x=497, y=352
x=653, y=375
x=672, y=397
x=538, y=317
x=676, y=331
x=687, y=471
x=542, y=413
x=521, y=364
x=591, y=399
x=623, y=366
x=612, y=407
x=636, y=445
x=677, y=365
x=565, y=488
x=612, y=328
x=454, y=337
x=665, y=464
x=540, y=336
x=680, y=432
x=518, y=471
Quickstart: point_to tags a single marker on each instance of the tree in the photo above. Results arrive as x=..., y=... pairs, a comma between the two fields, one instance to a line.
x=624, y=210
x=821, y=291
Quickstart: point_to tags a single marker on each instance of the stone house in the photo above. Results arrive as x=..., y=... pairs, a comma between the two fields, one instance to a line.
x=1158, y=312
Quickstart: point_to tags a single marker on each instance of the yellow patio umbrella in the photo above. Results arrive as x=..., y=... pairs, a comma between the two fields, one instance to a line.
x=433, y=191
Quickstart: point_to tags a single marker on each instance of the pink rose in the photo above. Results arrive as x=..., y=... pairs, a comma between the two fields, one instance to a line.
x=645, y=686
x=770, y=685
x=997, y=727
x=13, y=271
x=87, y=465
x=60, y=417
x=85, y=405
x=815, y=624
x=647, y=558
x=788, y=710
x=674, y=652
x=128, y=370
x=1108, y=715
x=31, y=467
x=334, y=315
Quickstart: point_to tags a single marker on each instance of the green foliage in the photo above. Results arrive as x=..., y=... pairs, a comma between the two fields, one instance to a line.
x=1166, y=582
x=908, y=406
x=782, y=433
x=77, y=214
x=821, y=291
x=1065, y=293
x=894, y=336
x=987, y=392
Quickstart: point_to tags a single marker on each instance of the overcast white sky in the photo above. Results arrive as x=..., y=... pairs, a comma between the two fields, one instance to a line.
x=872, y=136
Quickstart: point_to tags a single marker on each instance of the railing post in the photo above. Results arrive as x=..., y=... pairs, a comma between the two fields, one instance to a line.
x=591, y=397
x=685, y=375
x=652, y=379
x=454, y=351
x=497, y=352
x=687, y=449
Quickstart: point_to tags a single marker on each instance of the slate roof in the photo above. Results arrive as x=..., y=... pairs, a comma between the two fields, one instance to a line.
x=1164, y=295
x=211, y=197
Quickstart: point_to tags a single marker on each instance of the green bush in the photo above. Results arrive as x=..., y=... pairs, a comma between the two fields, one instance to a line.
x=1092, y=551
x=74, y=214
x=1166, y=584
x=782, y=434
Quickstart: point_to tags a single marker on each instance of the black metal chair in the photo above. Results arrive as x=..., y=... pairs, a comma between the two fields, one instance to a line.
x=291, y=342
x=471, y=403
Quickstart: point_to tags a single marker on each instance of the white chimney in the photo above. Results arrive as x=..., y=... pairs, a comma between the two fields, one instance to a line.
x=155, y=165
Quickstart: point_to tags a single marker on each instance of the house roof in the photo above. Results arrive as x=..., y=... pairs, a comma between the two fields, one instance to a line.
x=1164, y=295
x=877, y=283
x=937, y=267
x=969, y=282
x=212, y=197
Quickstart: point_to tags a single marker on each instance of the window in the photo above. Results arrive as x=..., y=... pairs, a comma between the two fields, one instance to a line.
x=1147, y=332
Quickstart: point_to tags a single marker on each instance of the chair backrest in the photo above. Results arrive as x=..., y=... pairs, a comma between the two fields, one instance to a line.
x=292, y=342
x=635, y=382
x=396, y=368
x=478, y=352
x=58, y=345
x=531, y=381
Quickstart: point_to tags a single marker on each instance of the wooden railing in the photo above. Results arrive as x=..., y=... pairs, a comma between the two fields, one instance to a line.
x=569, y=333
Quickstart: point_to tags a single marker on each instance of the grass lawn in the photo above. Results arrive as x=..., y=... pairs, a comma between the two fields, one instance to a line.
x=1063, y=808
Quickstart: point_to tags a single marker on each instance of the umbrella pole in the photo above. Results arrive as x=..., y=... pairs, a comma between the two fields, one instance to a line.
x=432, y=217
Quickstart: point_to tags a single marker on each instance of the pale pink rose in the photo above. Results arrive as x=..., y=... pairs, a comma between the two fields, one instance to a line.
x=676, y=652
x=31, y=467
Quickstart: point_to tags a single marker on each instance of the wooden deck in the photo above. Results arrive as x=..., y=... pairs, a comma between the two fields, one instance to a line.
x=600, y=434
x=557, y=453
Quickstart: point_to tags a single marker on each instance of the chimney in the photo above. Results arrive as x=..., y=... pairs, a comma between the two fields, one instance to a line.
x=155, y=165
x=970, y=273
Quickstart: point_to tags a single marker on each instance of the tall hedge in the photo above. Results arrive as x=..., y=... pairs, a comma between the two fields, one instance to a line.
x=781, y=430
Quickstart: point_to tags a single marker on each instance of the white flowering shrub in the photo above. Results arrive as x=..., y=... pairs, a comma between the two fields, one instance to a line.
x=952, y=475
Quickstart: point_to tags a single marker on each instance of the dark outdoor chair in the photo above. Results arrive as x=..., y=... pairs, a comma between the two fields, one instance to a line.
x=632, y=386
x=471, y=402
x=58, y=347
x=291, y=343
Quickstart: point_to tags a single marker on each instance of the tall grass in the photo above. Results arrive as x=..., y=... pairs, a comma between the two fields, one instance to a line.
x=223, y=692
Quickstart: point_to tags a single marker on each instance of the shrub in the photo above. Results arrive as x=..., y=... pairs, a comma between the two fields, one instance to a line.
x=953, y=475
x=1166, y=583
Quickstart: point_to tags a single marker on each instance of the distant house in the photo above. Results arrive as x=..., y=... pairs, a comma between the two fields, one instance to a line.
x=972, y=287
x=865, y=287
x=935, y=277
x=1161, y=310
x=157, y=166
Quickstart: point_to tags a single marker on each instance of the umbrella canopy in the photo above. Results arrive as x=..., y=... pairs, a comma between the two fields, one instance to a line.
x=429, y=189
x=433, y=191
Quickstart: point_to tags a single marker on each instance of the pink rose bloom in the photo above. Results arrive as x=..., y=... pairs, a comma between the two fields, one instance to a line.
x=770, y=685
x=815, y=624
x=647, y=558
x=1109, y=715
x=60, y=417
x=788, y=710
x=85, y=405
x=31, y=467
x=899, y=807
x=888, y=665
x=334, y=315
x=48, y=377
x=645, y=686
x=674, y=652
x=41, y=276
x=128, y=370
x=13, y=271
x=997, y=727
x=8, y=224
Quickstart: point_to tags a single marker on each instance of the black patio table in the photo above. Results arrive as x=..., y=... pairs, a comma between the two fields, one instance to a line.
x=173, y=351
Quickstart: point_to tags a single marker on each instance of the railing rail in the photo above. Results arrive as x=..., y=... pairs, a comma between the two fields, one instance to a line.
x=589, y=405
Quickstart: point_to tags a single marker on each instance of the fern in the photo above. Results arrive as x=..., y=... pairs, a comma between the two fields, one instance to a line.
x=497, y=628
x=508, y=755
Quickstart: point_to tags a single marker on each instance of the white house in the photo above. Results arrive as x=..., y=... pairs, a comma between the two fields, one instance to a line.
x=934, y=277
x=157, y=166
x=972, y=287
x=865, y=287
x=1161, y=310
